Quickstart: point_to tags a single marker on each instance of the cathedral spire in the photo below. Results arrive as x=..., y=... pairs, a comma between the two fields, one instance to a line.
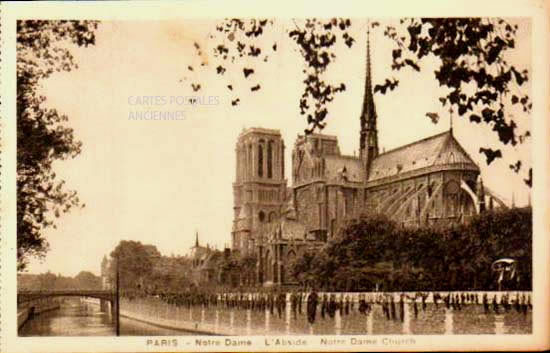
x=197, y=238
x=368, y=144
x=368, y=114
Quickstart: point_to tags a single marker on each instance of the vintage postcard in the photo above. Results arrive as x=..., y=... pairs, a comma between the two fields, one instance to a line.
x=284, y=176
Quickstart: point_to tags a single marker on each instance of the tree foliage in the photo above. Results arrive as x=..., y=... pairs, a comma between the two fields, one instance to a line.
x=481, y=85
x=236, y=270
x=84, y=280
x=240, y=46
x=43, y=48
x=87, y=281
x=133, y=261
x=143, y=270
x=169, y=274
x=377, y=253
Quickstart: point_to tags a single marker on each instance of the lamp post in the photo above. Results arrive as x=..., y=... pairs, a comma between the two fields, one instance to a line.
x=117, y=299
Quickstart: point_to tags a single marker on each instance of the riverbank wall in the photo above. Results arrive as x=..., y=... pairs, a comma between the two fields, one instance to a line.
x=175, y=324
x=22, y=317
x=35, y=308
x=227, y=321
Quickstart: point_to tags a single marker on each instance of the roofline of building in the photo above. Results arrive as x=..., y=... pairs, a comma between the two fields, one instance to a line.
x=261, y=130
x=329, y=182
x=323, y=136
x=342, y=156
x=413, y=143
x=421, y=171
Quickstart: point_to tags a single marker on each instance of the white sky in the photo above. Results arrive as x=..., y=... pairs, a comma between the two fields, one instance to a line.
x=159, y=181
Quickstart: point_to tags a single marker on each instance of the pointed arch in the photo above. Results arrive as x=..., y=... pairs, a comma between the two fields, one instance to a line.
x=260, y=160
x=269, y=266
x=270, y=159
x=291, y=256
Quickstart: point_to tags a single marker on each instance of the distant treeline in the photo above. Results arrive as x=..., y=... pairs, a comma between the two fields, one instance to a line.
x=49, y=281
x=376, y=253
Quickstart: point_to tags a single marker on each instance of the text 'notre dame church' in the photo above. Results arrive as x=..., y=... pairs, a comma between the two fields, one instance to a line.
x=432, y=181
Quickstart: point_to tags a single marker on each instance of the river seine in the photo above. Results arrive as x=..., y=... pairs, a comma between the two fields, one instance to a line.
x=76, y=318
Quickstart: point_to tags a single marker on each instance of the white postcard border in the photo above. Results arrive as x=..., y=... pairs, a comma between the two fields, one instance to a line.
x=146, y=10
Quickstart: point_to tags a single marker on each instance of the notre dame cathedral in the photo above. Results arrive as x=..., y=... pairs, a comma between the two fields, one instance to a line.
x=432, y=181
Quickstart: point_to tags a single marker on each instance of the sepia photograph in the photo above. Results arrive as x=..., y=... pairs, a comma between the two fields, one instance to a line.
x=313, y=181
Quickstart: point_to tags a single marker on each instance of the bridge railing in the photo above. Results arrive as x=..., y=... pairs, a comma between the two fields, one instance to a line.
x=30, y=295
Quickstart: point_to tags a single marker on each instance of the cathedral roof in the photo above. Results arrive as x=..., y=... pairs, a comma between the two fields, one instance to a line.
x=438, y=150
x=348, y=166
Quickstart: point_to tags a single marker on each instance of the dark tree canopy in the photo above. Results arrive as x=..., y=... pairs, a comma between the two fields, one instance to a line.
x=134, y=262
x=43, y=48
x=237, y=270
x=376, y=251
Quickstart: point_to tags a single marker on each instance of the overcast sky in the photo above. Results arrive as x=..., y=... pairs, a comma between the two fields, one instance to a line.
x=160, y=181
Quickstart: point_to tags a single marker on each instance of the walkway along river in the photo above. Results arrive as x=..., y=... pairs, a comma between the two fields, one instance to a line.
x=353, y=314
x=349, y=313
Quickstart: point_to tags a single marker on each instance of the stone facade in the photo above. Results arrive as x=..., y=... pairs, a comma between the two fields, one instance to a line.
x=204, y=261
x=429, y=182
x=260, y=187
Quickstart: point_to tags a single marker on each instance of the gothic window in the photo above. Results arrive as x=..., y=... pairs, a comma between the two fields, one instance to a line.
x=260, y=161
x=269, y=266
x=350, y=201
x=270, y=159
x=249, y=161
x=291, y=256
x=346, y=205
x=282, y=158
x=261, y=216
x=320, y=214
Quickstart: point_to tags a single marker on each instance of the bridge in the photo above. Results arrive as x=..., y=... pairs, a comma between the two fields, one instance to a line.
x=32, y=295
x=32, y=302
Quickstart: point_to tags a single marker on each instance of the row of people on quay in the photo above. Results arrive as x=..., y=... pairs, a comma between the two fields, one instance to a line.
x=328, y=305
x=390, y=306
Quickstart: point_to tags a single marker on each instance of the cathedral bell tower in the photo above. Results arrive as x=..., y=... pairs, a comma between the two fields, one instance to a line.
x=368, y=145
x=259, y=187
